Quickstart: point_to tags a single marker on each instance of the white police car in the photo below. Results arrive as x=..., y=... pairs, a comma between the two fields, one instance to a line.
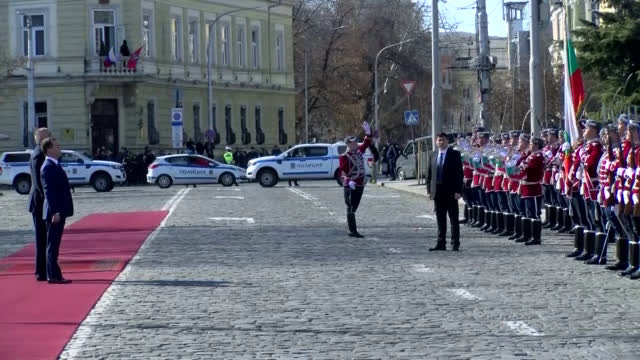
x=306, y=161
x=191, y=169
x=102, y=175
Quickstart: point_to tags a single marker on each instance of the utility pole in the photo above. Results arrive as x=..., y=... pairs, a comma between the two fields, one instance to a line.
x=31, y=96
x=436, y=79
x=306, y=97
x=536, y=75
x=484, y=75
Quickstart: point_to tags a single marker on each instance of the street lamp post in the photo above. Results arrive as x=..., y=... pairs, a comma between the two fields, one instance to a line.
x=375, y=95
x=31, y=97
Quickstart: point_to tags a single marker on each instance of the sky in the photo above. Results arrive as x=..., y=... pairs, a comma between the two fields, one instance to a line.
x=462, y=13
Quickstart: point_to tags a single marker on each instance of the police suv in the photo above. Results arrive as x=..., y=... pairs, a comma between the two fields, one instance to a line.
x=191, y=169
x=102, y=175
x=306, y=161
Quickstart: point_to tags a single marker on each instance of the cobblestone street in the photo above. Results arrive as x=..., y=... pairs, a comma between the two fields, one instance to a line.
x=254, y=273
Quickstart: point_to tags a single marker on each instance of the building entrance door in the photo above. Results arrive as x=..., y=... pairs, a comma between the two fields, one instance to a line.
x=104, y=128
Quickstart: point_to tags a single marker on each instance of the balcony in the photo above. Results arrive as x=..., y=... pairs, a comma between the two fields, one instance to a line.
x=97, y=66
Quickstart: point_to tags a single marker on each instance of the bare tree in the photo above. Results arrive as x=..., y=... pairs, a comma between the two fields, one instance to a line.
x=9, y=64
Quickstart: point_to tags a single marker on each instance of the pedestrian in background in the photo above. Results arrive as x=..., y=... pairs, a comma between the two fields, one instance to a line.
x=36, y=202
x=392, y=157
x=228, y=155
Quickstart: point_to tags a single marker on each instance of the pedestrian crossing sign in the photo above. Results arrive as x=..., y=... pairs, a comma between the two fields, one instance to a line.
x=411, y=117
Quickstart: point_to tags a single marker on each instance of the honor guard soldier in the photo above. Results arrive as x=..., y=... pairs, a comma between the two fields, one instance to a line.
x=490, y=169
x=550, y=151
x=510, y=212
x=532, y=172
x=502, y=201
x=478, y=181
x=632, y=210
x=467, y=177
x=514, y=184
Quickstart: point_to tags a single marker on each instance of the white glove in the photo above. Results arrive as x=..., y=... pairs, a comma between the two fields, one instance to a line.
x=566, y=147
x=352, y=185
x=607, y=194
x=619, y=196
x=629, y=173
x=627, y=197
x=367, y=128
x=634, y=197
x=620, y=172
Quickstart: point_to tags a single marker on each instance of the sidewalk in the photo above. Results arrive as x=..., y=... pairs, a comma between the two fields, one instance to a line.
x=408, y=186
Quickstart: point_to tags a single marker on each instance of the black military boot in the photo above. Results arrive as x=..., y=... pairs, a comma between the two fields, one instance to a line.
x=589, y=246
x=526, y=231
x=578, y=242
x=466, y=215
x=509, y=222
x=353, y=228
x=600, y=255
x=500, y=228
x=634, y=257
x=553, y=217
x=536, y=233
x=622, y=254
x=518, y=228
x=559, y=219
x=493, y=222
x=568, y=223
x=481, y=217
x=547, y=221
x=488, y=217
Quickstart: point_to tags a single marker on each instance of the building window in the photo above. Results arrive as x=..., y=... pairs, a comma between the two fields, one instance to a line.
x=210, y=34
x=280, y=51
x=255, y=48
x=243, y=118
x=147, y=33
x=193, y=42
x=38, y=38
x=153, y=134
x=281, y=120
x=240, y=46
x=225, y=44
x=197, y=130
x=227, y=123
x=258, y=116
x=41, y=119
x=176, y=39
x=104, y=31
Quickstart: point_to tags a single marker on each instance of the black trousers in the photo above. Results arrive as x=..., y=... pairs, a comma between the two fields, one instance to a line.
x=54, y=237
x=446, y=204
x=41, y=244
x=352, y=198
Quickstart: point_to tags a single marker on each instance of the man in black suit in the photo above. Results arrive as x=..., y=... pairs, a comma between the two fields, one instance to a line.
x=58, y=206
x=36, y=201
x=444, y=185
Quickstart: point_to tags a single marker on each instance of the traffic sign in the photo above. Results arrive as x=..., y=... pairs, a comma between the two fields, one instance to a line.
x=411, y=117
x=176, y=128
x=408, y=86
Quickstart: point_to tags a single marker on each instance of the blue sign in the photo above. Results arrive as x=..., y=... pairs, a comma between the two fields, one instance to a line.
x=411, y=117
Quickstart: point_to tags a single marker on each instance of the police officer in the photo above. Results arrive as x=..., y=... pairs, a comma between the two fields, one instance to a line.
x=228, y=155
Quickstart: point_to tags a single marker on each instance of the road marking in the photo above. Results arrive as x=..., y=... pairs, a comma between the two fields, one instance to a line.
x=247, y=219
x=394, y=251
x=224, y=189
x=381, y=196
x=421, y=268
x=85, y=331
x=465, y=294
x=522, y=328
x=303, y=194
x=430, y=217
x=230, y=197
x=169, y=202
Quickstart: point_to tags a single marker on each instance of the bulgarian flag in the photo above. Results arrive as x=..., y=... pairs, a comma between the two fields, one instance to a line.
x=573, y=97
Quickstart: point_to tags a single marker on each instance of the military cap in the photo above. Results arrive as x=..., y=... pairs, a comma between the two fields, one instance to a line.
x=623, y=119
x=552, y=132
x=479, y=129
x=582, y=123
x=484, y=134
x=505, y=136
x=496, y=139
x=593, y=124
x=612, y=127
x=525, y=137
x=538, y=141
x=514, y=133
x=544, y=132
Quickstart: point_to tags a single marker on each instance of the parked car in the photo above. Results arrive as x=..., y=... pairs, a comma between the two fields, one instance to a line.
x=305, y=161
x=406, y=163
x=191, y=169
x=81, y=170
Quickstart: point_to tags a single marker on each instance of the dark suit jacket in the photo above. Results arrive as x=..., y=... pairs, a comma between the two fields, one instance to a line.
x=57, y=191
x=451, y=175
x=36, y=196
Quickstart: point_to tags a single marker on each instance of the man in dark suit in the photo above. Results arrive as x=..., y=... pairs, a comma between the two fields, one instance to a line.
x=36, y=201
x=58, y=206
x=444, y=185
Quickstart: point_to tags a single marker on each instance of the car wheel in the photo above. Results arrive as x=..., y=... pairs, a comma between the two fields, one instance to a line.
x=101, y=182
x=401, y=174
x=23, y=185
x=227, y=179
x=164, y=181
x=267, y=178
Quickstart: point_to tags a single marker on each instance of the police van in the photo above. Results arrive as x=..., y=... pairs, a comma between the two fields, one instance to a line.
x=305, y=161
x=81, y=170
x=191, y=169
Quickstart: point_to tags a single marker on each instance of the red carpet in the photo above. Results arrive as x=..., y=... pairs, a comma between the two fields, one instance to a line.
x=37, y=319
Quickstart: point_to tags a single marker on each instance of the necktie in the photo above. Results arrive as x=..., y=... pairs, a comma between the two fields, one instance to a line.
x=439, y=175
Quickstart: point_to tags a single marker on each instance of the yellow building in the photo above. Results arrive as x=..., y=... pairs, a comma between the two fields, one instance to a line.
x=89, y=102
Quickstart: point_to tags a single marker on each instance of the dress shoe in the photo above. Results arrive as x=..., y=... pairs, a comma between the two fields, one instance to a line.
x=456, y=247
x=59, y=281
x=439, y=248
x=356, y=235
x=41, y=278
x=596, y=260
x=618, y=266
x=635, y=275
x=533, y=242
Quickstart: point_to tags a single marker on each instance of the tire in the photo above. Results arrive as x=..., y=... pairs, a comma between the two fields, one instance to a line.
x=101, y=182
x=338, y=178
x=267, y=178
x=22, y=184
x=164, y=181
x=402, y=176
x=227, y=179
